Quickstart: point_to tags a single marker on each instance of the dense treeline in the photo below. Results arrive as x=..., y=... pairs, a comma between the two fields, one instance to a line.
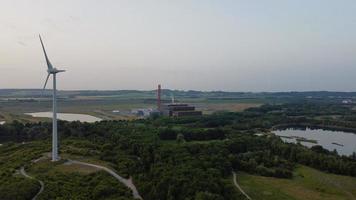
x=18, y=188
x=319, y=159
x=191, y=134
x=12, y=157
x=95, y=186
x=265, y=163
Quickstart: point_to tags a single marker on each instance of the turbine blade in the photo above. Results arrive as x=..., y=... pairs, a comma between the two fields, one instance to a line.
x=44, y=87
x=49, y=65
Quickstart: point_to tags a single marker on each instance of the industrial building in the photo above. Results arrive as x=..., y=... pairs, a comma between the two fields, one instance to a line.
x=175, y=109
x=179, y=110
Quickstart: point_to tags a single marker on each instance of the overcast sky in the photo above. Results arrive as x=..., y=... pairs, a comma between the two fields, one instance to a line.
x=232, y=45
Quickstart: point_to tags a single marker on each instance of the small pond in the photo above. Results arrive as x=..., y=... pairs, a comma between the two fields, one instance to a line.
x=67, y=116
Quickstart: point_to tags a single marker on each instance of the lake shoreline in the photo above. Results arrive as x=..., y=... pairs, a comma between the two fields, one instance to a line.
x=303, y=126
x=343, y=142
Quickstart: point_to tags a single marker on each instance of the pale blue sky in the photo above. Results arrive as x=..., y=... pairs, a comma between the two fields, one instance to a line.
x=233, y=45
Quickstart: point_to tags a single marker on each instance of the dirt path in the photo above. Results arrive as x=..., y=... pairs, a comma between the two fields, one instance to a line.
x=127, y=182
x=23, y=172
x=238, y=186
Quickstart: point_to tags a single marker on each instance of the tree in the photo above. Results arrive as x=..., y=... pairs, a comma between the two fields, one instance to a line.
x=180, y=138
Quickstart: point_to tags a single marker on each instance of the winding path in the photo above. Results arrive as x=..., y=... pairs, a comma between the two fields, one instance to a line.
x=127, y=182
x=238, y=186
x=23, y=172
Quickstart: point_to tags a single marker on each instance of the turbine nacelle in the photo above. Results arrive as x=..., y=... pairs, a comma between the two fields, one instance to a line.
x=54, y=70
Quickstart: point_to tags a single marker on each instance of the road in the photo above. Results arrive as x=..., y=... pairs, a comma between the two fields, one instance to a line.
x=23, y=172
x=238, y=186
x=127, y=182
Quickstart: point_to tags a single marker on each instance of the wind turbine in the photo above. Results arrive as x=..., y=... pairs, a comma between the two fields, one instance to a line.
x=53, y=71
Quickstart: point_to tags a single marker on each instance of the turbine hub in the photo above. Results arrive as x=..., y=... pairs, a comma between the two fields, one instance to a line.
x=54, y=71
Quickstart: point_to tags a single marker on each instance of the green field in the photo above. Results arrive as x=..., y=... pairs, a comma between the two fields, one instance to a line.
x=308, y=184
x=15, y=102
x=103, y=106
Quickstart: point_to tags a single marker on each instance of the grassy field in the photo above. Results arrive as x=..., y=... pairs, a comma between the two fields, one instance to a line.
x=209, y=108
x=14, y=103
x=99, y=108
x=307, y=184
x=102, y=107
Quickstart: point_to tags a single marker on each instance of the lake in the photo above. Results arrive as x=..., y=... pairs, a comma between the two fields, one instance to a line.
x=343, y=142
x=67, y=116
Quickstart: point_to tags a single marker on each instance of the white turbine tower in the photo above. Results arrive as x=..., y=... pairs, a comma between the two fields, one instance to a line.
x=53, y=71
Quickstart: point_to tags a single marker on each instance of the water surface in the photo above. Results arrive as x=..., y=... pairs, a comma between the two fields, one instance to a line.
x=325, y=138
x=67, y=116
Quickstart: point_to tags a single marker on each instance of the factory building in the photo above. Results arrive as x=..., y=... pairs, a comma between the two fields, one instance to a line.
x=175, y=109
x=179, y=110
